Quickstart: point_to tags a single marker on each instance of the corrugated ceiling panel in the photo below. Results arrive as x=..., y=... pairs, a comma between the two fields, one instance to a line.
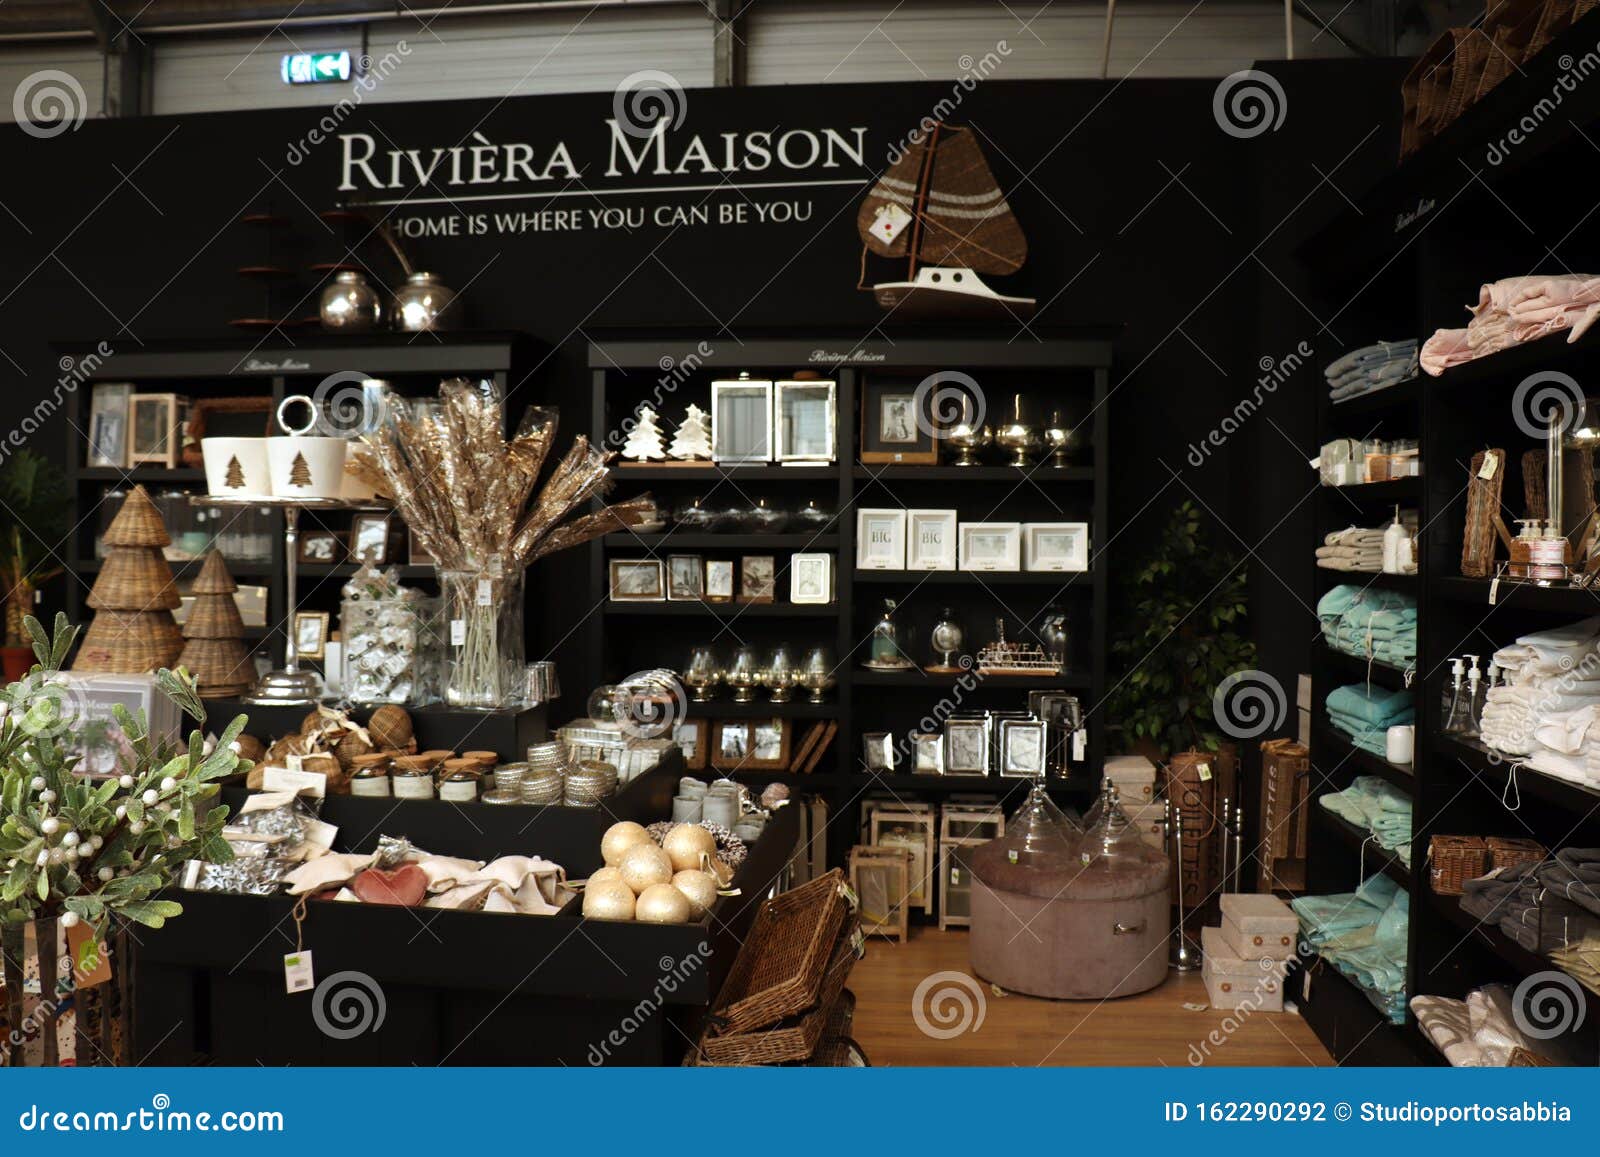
x=814, y=42
x=570, y=51
x=82, y=63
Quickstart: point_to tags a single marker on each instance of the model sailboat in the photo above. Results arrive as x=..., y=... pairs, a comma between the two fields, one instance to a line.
x=939, y=207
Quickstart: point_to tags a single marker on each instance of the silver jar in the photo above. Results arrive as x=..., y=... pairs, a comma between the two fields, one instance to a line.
x=350, y=305
x=424, y=303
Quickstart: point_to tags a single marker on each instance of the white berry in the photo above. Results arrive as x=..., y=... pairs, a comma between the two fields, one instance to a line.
x=56, y=855
x=96, y=842
x=150, y=797
x=125, y=782
x=168, y=783
x=38, y=783
x=47, y=797
x=106, y=874
x=69, y=919
x=44, y=858
x=71, y=839
x=136, y=827
x=51, y=826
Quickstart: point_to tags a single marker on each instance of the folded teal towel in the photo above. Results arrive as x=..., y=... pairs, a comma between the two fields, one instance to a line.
x=1375, y=706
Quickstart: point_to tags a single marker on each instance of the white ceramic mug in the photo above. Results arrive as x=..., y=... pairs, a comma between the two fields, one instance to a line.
x=1401, y=743
x=236, y=467
x=302, y=465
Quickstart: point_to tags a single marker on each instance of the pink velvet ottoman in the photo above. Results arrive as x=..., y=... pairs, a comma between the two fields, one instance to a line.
x=1070, y=933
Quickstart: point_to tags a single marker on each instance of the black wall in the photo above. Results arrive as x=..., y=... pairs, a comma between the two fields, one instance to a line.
x=1139, y=210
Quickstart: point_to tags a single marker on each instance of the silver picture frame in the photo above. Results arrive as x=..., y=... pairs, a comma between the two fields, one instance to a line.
x=1022, y=748
x=966, y=747
x=927, y=753
x=807, y=415
x=741, y=422
x=877, y=751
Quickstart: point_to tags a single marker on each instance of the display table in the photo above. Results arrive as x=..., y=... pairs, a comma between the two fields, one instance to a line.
x=462, y=988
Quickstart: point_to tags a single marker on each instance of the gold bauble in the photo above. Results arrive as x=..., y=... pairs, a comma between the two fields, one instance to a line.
x=699, y=888
x=611, y=900
x=604, y=875
x=687, y=844
x=663, y=904
x=619, y=838
x=645, y=864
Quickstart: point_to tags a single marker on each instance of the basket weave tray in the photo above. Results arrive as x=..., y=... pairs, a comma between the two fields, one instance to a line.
x=780, y=970
x=795, y=1038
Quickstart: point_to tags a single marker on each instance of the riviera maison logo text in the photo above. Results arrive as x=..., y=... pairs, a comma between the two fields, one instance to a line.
x=658, y=153
x=287, y=365
x=1410, y=217
x=832, y=358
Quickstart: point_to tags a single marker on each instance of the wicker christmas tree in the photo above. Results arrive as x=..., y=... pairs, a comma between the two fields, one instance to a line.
x=215, y=654
x=133, y=630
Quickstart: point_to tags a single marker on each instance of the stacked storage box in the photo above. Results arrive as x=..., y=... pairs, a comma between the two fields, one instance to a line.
x=1246, y=958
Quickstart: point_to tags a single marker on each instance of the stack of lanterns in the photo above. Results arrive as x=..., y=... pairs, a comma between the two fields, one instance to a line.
x=673, y=882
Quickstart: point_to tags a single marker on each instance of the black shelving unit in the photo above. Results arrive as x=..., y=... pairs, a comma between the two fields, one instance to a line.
x=1404, y=259
x=1065, y=369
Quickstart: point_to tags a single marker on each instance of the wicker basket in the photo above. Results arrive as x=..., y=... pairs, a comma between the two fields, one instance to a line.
x=134, y=579
x=1508, y=852
x=1453, y=860
x=795, y=1038
x=781, y=968
x=129, y=643
x=839, y=1049
x=138, y=523
x=1522, y=1058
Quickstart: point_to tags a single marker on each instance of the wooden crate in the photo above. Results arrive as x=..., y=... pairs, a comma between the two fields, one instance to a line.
x=881, y=879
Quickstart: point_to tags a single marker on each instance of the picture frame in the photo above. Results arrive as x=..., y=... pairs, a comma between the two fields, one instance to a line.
x=893, y=430
x=691, y=738
x=96, y=738
x=966, y=747
x=758, y=578
x=637, y=580
x=225, y=418
x=750, y=744
x=109, y=410
x=719, y=580
x=810, y=578
x=369, y=538
x=311, y=634
x=416, y=553
x=807, y=419
x=320, y=546
x=930, y=540
x=880, y=539
x=881, y=879
x=1055, y=546
x=686, y=578
x=927, y=753
x=741, y=422
x=155, y=430
x=1022, y=748
x=877, y=752
x=990, y=546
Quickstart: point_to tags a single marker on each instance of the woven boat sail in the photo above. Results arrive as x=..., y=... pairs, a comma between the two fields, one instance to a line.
x=958, y=215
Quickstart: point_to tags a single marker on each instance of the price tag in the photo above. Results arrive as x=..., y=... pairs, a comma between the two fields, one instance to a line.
x=458, y=632
x=889, y=221
x=1080, y=744
x=297, y=976
x=1491, y=463
x=1494, y=589
x=1204, y=771
x=955, y=876
x=485, y=593
x=1316, y=463
x=91, y=962
x=283, y=779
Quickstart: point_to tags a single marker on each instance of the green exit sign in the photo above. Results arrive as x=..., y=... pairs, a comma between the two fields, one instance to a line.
x=317, y=67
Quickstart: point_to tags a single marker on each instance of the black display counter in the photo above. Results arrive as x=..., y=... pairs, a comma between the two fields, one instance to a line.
x=437, y=727
x=459, y=988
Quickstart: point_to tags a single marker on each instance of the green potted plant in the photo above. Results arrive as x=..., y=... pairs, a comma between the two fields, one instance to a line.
x=1180, y=639
x=33, y=521
x=90, y=854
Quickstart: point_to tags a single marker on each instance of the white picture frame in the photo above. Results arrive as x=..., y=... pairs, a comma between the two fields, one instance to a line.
x=931, y=540
x=811, y=579
x=108, y=425
x=807, y=417
x=1055, y=546
x=741, y=422
x=991, y=546
x=719, y=580
x=880, y=539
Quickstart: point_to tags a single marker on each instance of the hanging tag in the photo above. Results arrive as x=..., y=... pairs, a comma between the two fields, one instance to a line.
x=1494, y=589
x=91, y=963
x=485, y=593
x=1305, y=986
x=458, y=632
x=889, y=221
x=1491, y=463
x=955, y=877
x=1316, y=463
x=1204, y=772
x=297, y=975
x=1080, y=744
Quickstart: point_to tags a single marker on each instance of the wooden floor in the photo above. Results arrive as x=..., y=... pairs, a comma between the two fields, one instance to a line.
x=1153, y=1028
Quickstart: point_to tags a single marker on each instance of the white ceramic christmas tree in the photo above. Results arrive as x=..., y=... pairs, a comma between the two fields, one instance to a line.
x=644, y=440
x=693, y=439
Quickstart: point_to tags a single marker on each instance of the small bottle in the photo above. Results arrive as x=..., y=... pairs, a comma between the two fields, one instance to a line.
x=1459, y=720
x=1474, y=697
x=1393, y=536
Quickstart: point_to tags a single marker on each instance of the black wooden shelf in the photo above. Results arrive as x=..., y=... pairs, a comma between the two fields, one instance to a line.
x=725, y=610
x=1041, y=474
x=761, y=708
x=1395, y=490
x=673, y=540
x=151, y=474
x=1373, y=858
x=1332, y=750
x=1519, y=593
x=984, y=578
x=1401, y=395
x=1405, y=583
x=711, y=472
x=314, y=570
x=1354, y=668
x=971, y=680
x=1495, y=768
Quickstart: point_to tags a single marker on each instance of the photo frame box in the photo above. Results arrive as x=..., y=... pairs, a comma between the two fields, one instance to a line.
x=369, y=538
x=155, y=430
x=758, y=578
x=892, y=431
x=877, y=752
x=806, y=414
x=881, y=879
x=898, y=827
x=763, y=744
x=109, y=411
x=637, y=580
x=931, y=540
x=810, y=578
x=880, y=539
x=320, y=546
x=1022, y=748
x=990, y=546
x=719, y=580
x=303, y=623
x=692, y=737
x=96, y=738
x=1055, y=546
x=966, y=747
x=927, y=753
x=741, y=422
x=686, y=578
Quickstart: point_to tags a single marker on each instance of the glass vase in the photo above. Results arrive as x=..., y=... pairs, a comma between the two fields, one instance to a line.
x=485, y=656
x=383, y=645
